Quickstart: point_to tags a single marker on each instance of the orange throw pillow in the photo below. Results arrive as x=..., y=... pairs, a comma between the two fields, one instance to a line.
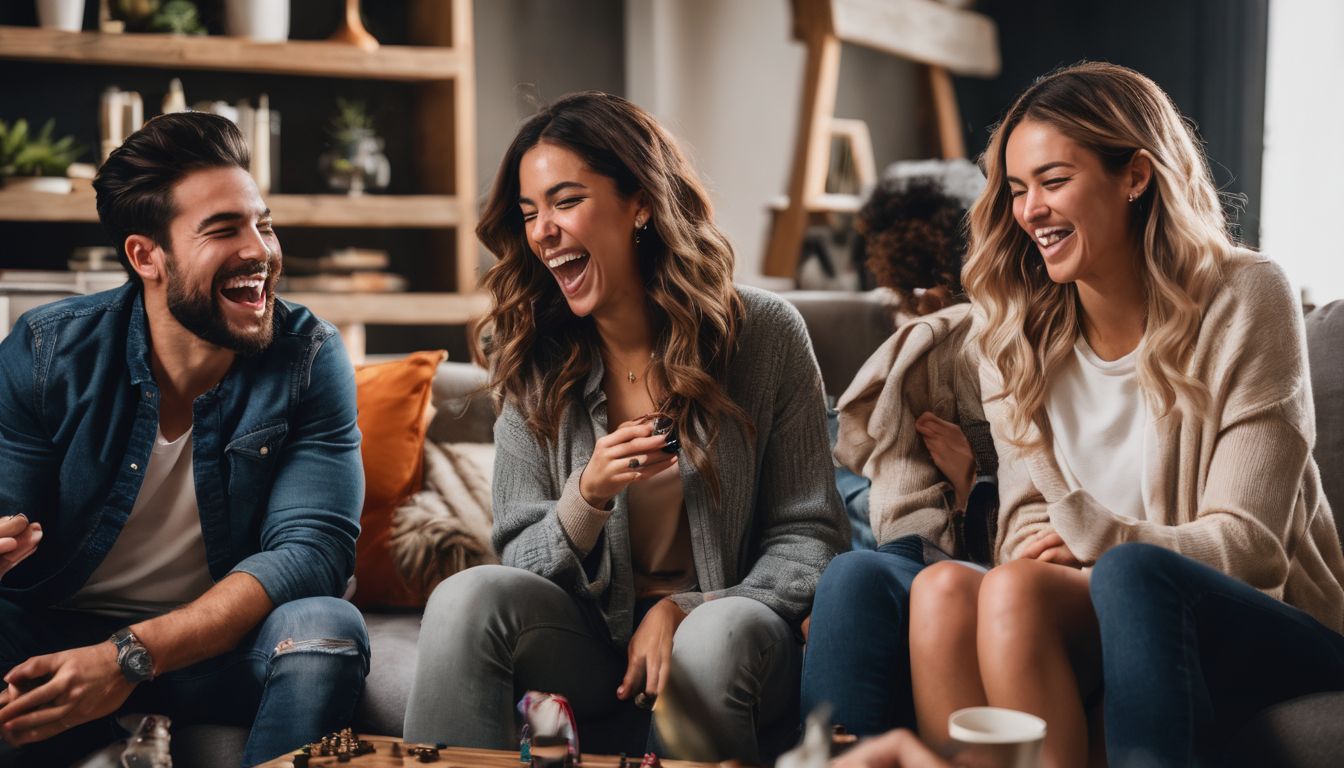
x=392, y=398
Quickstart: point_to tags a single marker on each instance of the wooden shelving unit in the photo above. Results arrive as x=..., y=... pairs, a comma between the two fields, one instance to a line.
x=297, y=57
x=368, y=211
x=438, y=63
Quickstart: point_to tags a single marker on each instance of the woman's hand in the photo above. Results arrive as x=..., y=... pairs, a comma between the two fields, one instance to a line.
x=1050, y=548
x=18, y=540
x=650, y=651
x=894, y=749
x=951, y=453
x=629, y=453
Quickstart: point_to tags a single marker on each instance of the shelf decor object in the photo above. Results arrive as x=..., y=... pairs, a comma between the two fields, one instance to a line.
x=66, y=15
x=263, y=21
x=352, y=31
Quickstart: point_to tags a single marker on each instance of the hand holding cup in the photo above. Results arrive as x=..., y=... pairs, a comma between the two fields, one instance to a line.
x=630, y=453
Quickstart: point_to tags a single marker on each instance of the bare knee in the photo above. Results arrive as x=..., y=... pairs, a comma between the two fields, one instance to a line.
x=943, y=602
x=1015, y=597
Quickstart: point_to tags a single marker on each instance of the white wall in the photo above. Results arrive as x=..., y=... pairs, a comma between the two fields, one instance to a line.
x=725, y=77
x=1303, y=188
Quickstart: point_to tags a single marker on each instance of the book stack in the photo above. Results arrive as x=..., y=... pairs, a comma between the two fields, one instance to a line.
x=347, y=270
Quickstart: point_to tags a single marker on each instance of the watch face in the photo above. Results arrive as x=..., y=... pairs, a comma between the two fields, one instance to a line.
x=138, y=662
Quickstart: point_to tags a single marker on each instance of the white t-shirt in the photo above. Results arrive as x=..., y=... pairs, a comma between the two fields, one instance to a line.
x=158, y=560
x=1102, y=428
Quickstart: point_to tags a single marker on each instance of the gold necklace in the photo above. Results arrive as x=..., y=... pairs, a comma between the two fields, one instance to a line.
x=630, y=372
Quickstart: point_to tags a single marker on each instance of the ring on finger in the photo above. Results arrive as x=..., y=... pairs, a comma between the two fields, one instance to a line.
x=634, y=463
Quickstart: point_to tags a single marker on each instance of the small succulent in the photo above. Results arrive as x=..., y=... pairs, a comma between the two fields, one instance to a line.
x=351, y=121
x=177, y=17
x=24, y=154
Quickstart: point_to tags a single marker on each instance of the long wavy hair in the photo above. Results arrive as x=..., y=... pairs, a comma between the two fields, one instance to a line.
x=540, y=354
x=1031, y=322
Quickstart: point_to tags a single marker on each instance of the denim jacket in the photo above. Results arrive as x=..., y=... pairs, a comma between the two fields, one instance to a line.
x=276, y=461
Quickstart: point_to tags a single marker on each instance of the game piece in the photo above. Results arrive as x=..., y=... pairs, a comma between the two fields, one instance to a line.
x=549, y=714
x=651, y=761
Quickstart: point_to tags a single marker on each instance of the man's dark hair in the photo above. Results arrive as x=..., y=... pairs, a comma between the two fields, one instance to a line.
x=135, y=185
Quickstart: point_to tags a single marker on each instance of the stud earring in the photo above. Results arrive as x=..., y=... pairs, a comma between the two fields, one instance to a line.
x=1131, y=197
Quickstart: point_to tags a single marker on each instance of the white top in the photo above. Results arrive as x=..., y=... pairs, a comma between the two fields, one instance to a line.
x=158, y=560
x=1101, y=428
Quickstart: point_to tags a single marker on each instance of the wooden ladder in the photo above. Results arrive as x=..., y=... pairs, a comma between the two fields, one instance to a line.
x=946, y=40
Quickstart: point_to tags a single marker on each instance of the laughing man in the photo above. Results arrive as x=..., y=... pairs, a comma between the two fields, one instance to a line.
x=180, y=481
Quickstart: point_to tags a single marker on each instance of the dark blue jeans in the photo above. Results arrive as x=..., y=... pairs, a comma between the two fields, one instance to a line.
x=1190, y=653
x=296, y=678
x=858, y=647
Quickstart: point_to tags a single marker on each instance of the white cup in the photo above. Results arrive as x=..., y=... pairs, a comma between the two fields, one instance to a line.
x=61, y=14
x=994, y=737
x=266, y=21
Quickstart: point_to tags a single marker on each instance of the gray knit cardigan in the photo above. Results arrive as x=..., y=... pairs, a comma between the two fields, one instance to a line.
x=779, y=521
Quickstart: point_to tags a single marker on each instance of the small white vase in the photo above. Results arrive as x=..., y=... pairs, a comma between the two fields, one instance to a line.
x=66, y=15
x=266, y=21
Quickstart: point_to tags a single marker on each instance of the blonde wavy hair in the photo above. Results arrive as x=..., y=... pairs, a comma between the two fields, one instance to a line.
x=540, y=354
x=1031, y=322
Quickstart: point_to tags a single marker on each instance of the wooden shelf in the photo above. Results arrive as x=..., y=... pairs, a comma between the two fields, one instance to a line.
x=394, y=308
x=234, y=54
x=371, y=211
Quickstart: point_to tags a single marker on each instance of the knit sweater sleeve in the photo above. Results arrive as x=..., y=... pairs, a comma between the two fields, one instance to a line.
x=539, y=527
x=1250, y=513
x=800, y=522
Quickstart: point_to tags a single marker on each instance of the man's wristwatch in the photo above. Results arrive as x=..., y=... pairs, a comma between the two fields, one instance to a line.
x=132, y=656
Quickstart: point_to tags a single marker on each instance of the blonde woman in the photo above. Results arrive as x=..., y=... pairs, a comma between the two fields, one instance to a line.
x=626, y=550
x=1145, y=381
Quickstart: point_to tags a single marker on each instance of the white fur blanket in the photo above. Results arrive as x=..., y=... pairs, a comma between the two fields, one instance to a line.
x=446, y=526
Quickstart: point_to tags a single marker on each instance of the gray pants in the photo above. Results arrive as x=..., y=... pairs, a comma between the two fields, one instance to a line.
x=491, y=633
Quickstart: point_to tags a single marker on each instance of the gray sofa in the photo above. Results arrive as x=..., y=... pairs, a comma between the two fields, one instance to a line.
x=845, y=329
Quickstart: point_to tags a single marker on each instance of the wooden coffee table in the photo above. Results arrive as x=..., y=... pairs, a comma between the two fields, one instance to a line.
x=459, y=757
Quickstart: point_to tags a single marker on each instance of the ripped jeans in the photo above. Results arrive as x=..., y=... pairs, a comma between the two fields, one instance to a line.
x=295, y=678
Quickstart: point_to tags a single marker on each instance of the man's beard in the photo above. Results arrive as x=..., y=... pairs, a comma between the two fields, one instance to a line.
x=203, y=316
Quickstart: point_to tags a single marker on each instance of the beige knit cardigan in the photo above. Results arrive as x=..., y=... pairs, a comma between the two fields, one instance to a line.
x=924, y=366
x=1238, y=490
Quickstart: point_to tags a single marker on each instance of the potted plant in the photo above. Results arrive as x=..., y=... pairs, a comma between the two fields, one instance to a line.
x=355, y=163
x=36, y=162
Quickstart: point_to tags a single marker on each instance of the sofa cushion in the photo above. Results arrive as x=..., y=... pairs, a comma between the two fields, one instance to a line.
x=464, y=413
x=393, y=399
x=392, y=639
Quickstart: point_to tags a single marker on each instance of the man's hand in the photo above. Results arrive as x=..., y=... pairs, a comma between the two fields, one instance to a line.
x=651, y=651
x=629, y=454
x=1050, y=548
x=18, y=540
x=951, y=453
x=894, y=749
x=46, y=695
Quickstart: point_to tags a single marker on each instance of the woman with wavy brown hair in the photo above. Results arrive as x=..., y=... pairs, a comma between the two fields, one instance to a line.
x=1145, y=383
x=663, y=496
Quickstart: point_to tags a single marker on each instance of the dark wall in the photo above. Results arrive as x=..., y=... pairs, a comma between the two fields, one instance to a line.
x=1208, y=54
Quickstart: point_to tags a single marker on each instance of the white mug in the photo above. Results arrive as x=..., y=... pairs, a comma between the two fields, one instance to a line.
x=994, y=737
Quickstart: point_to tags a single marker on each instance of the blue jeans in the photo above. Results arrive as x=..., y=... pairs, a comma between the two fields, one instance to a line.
x=296, y=678
x=1190, y=653
x=858, y=648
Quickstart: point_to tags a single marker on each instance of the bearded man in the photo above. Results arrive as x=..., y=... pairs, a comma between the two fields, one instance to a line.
x=180, y=480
